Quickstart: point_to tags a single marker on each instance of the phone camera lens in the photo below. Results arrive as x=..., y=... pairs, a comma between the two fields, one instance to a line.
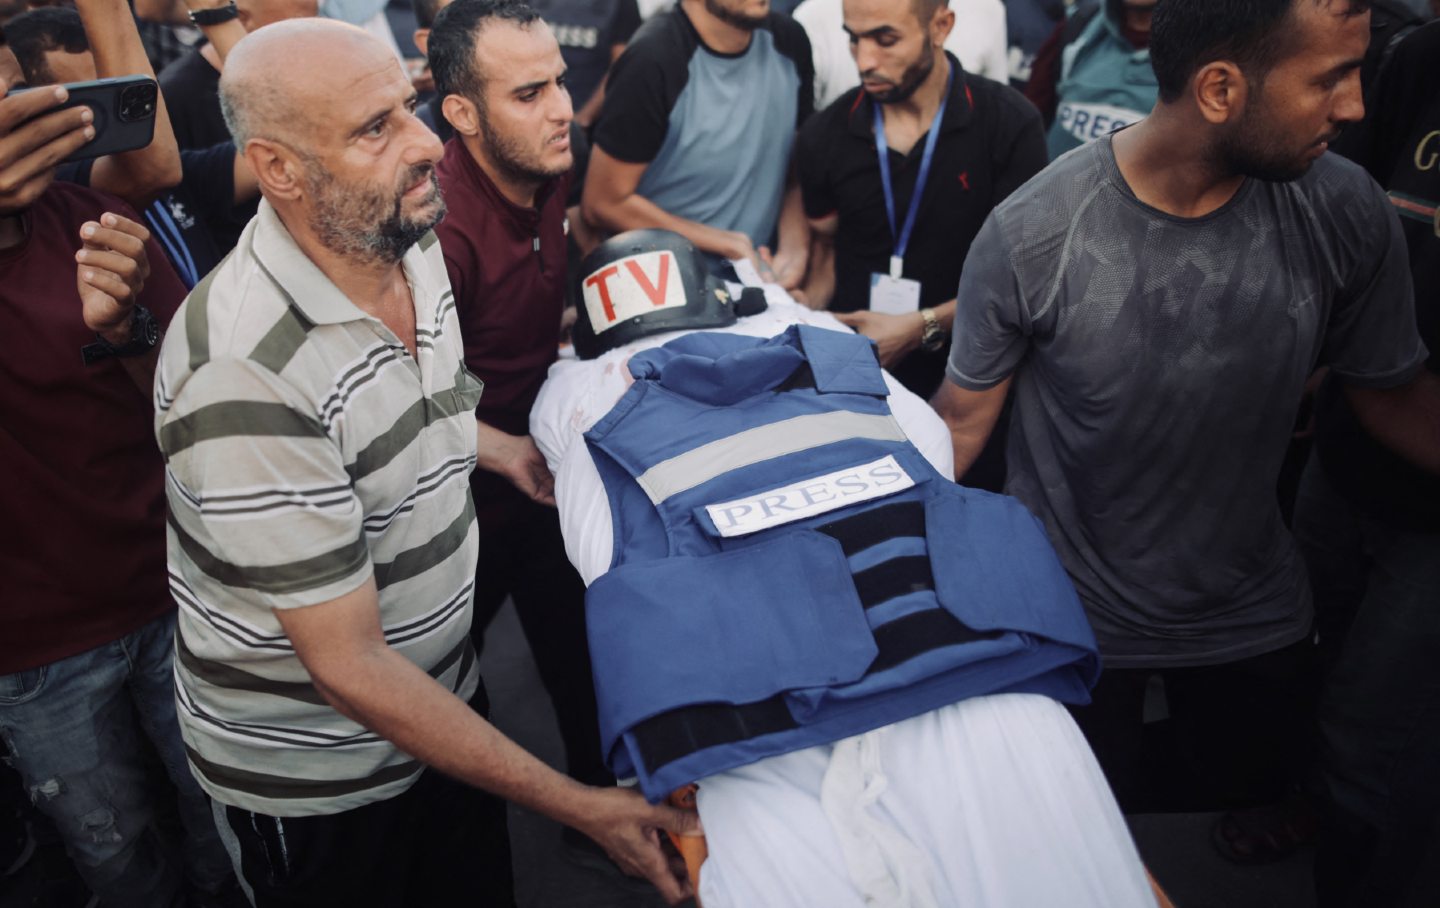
x=138, y=102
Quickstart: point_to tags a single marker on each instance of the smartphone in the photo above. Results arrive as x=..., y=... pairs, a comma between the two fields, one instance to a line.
x=124, y=110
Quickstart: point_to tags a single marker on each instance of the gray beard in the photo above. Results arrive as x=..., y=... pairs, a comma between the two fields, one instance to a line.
x=359, y=228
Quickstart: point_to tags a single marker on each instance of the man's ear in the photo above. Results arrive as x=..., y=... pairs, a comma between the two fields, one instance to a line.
x=1220, y=91
x=422, y=41
x=940, y=25
x=462, y=114
x=276, y=168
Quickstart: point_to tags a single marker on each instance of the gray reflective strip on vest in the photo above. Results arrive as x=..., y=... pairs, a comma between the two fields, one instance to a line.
x=800, y=433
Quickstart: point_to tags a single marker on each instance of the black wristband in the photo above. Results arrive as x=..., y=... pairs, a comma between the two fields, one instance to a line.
x=144, y=335
x=204, y=17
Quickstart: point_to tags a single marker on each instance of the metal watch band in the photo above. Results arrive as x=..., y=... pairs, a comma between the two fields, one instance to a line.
x=934, y=336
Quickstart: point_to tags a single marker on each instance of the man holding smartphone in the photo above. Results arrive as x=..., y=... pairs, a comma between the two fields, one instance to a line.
x=85, y=615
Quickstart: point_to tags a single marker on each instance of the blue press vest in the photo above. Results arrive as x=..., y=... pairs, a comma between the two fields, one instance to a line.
x=712, y=651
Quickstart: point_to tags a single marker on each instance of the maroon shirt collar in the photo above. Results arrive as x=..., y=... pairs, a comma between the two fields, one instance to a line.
x=525, y=220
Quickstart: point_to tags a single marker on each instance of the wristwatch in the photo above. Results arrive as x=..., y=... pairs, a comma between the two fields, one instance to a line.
x=215, y=15
x=144, y=335
x=934, y=336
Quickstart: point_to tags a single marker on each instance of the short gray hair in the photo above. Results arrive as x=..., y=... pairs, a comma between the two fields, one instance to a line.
x=251, y=109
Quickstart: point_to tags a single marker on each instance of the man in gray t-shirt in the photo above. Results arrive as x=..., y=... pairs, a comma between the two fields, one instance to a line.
x=1156, y=301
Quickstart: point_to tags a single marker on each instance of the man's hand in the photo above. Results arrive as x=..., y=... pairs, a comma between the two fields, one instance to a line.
x=342, y=646
x=31, y=145
x=629, y=829
x=734, y=245
x=112, y=271
x=517, y=459
x=895, y=335
x=787, y=266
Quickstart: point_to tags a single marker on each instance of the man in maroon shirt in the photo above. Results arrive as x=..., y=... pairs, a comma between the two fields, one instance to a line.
x=505, y=176
x=86, y=620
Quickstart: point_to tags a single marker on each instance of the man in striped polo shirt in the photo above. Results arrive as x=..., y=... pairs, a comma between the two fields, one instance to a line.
x=318, y=428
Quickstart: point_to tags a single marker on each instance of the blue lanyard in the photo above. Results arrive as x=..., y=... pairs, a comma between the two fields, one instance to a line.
x=902, y=241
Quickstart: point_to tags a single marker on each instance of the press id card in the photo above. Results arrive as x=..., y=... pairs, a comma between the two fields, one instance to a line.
x=894, y=295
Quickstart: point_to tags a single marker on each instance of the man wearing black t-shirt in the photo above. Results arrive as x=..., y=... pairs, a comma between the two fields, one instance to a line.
x=696, y=131
x=1369, y=526
x=192, y=83
x=988, y=142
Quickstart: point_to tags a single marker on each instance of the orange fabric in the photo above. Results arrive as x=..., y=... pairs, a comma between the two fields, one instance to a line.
x=1161, y=898
x=691, y=847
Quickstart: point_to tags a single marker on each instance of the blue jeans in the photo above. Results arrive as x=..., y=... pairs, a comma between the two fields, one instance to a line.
x=1377, y=602
x=85, y=734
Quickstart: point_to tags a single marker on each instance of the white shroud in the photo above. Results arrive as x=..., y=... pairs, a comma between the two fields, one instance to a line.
x=995, y=802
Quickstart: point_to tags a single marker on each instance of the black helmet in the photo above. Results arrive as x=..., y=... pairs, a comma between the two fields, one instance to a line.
x=645, y=282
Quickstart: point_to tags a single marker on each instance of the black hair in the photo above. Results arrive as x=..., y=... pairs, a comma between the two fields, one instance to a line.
x=925, y=9
x=425, y=12
x=9, y=9
x=35, y=33
x=452, y=42
x=1187, y=34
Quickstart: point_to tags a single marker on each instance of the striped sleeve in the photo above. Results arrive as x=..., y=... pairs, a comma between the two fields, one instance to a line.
x=260, y=500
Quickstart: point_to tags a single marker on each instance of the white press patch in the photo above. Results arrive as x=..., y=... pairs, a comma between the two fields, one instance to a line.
x=633, y=286
x=1091, y=121
x=800, y=500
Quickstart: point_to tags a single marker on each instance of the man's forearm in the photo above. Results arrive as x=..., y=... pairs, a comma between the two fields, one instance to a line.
x=967, y=441
x=635, y=212
x=139, y=176
x=970, y=416
x=945, y=315
x=1406, y=420
x=167, y=11
x=223, y=36
x=819, y=284
x=586, y=115
x=793, y=235
x=391, y=696
x=359, y=675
